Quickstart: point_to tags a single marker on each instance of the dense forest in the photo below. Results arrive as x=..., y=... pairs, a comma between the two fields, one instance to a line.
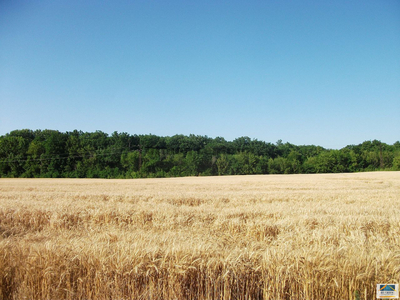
x=50, y=153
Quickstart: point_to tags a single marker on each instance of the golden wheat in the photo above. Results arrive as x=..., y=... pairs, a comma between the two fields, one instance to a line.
x=237, y=237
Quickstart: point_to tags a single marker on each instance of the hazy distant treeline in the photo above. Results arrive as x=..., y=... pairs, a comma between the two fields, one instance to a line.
x=50, y=153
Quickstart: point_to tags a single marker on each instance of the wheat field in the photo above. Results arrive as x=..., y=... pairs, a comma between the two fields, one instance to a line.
x=321, y=236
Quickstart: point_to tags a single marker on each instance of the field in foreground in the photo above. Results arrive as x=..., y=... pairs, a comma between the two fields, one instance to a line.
x=238, y=237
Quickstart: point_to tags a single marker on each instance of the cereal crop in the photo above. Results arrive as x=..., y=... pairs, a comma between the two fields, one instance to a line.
x=319, y=236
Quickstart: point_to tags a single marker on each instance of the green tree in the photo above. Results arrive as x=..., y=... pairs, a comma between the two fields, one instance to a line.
x=192, y=163
x=223, y=164
x=278, y=165
x=130, y=161
x=12, y=155
x=293, y=162
x=151, y=162
x=396, y=162
x=34, y=165
x=175, y=164
x=245, y=163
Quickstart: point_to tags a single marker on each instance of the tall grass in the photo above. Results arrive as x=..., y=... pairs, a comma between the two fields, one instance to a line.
x=236, y=237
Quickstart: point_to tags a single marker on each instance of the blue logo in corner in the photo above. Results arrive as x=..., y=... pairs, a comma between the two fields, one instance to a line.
x=387, y=287
x=387, y=291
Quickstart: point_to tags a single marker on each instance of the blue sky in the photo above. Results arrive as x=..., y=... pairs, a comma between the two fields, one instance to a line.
x=307, y=72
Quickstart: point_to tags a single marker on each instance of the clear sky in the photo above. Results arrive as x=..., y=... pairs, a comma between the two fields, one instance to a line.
x=307, y=72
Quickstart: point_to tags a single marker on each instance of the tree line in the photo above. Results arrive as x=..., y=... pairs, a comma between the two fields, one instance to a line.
x=77, y=154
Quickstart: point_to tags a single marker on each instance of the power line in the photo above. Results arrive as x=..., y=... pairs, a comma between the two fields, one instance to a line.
x=67, y=156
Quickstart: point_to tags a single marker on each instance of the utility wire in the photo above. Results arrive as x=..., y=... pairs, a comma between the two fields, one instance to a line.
x=66, y=156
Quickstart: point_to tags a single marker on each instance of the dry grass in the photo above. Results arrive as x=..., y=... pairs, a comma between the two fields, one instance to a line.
x=237, y=237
